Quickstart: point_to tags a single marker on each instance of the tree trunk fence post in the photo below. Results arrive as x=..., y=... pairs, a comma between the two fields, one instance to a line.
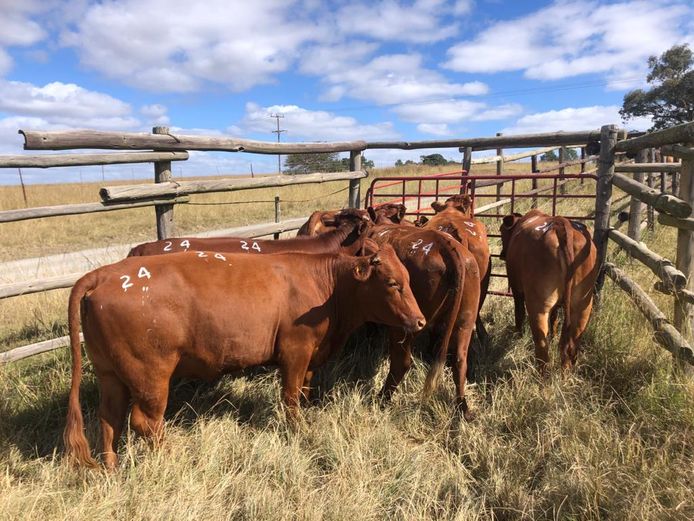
x=164, y=212
x=562, y=159
x=278, y=215
x=354, y=184
x=583, y=164
x=499, y=168
x=636, y=206
x=603, y=197
x=467, y=164
x=533, y=170
x=684, y=313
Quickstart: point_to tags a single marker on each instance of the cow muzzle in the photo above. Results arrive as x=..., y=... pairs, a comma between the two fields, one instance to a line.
x=417, y=325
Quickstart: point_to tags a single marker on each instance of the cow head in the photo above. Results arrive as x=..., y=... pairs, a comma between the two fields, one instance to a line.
x=390, y=213
x=462, y=203
x=383, y=291
x=507, y=225
x=421, y=220
x=358, y=224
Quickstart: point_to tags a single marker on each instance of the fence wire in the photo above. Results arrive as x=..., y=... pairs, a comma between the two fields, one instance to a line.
x=272, y=201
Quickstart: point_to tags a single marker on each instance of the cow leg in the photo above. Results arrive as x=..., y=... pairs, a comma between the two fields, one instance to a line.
x=113, y=408
x=400, y=353
x=293, y=377
x=147, y=415
x=553, y=320
x=571, y=334
x=539, y=325
x=306, y=388
x=519, y=310
x=461, y=341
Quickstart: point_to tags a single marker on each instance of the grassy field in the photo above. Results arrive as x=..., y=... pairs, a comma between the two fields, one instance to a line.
x=612, y=441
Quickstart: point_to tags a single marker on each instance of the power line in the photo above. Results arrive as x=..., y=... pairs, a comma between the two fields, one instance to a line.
x=279, y=131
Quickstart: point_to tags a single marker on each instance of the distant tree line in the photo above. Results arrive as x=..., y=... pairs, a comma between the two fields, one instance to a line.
x=323, y=162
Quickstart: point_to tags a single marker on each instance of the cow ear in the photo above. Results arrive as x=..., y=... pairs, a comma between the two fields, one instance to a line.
x=363, y=269
x=438, y=206
x=372, y=213
x=328, y=220
x=421, y=221
x=402, y=209
x=509, y=221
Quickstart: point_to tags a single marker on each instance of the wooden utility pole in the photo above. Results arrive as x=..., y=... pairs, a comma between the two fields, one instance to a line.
x=279, y=131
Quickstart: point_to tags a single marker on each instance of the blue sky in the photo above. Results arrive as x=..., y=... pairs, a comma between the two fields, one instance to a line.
x=375, y=70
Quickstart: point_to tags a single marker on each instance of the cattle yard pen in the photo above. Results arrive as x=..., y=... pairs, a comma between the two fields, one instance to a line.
x=162, y=148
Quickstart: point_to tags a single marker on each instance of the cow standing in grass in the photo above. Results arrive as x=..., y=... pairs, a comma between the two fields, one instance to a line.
x=203, y=314
x=551, y=263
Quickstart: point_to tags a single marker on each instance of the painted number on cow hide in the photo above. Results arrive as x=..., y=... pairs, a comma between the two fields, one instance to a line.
x=255, y=246
x=126, y=283
x=167, y=245
x=143, y=273
x=426, y=248
x=185, y=244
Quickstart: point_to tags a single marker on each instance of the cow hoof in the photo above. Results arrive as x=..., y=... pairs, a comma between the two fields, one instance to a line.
x=469, y=416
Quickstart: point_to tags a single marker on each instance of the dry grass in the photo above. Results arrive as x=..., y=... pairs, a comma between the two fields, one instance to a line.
x=613, y=441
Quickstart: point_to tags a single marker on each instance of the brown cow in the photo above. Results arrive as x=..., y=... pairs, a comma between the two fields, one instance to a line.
x=455, y=217
x=551, y=263
x=446, y=283
x=347, y=234
x=204, y=314
x=389, y=213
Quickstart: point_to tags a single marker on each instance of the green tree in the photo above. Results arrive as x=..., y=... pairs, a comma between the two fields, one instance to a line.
x=399, y=162
x=550, y=156
x=434, y=160
x=309, y=163
x=670, y=99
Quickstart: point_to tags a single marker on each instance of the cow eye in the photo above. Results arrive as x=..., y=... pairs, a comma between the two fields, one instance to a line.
x=392, y=284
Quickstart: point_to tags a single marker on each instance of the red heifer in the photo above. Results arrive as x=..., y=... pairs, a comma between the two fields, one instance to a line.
x=446, y=283
x=204, y=314
x=550, y=263
x=456, y=218
x=347, y=236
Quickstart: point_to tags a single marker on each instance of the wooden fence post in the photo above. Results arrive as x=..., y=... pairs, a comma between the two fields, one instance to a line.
x=499, y=168
x=278, y=215
x=636, y=206
x=164, y=212
x=603, y=196
x=583, y=165
x=562, y=171
x=467, y=164
x=354, y=184
x=650, y=211
x=533, y=170
x=684, y=313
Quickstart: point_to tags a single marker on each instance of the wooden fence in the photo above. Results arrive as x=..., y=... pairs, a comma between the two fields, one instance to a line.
x=675, y=278
x=162, y=147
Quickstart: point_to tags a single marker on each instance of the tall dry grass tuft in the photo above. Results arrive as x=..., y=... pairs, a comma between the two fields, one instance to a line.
x=612, y=441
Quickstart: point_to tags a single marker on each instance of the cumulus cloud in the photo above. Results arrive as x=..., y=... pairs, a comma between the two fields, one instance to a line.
x=454, y=111
x=386, y=79
x=66, y=104
x=316, y=125
x=18, y=29
x=437, y=129
x=238, y=44
x=569, y=38
x=570, y=119
x=417, y=22
x=155, y=114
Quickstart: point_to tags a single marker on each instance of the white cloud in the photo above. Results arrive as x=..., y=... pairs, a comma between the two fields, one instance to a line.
x=316, y=125
x=461, y=7
x=569, y=38
x=66, y=104
x=454, y=111
x=18, y=29
x=437, y=129
x=238, y=44
x=156, y=114
x=389, y=20
x=389, y=79
x=570, y=119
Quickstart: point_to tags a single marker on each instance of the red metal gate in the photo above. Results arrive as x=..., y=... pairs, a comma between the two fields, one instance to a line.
x=418, y=192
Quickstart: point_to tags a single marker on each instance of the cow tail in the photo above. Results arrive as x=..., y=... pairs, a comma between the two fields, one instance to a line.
x=566, y=244
x=76, y=444
x=455, y=298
